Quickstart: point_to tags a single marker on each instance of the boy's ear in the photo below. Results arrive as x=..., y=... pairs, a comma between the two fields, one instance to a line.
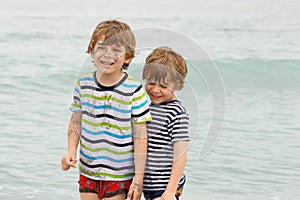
x=127, y=61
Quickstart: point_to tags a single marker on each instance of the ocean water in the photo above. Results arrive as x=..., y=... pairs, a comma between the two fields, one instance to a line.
x=244, y=101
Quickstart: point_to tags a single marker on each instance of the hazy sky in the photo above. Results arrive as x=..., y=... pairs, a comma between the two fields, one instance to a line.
x=137, y=6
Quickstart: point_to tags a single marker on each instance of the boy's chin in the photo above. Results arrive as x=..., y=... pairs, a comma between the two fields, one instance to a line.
x=156, y=101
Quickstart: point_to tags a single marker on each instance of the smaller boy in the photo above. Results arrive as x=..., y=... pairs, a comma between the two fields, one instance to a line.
x=164, y=73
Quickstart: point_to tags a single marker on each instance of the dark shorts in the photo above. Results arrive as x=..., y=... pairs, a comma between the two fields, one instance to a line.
x=150, y=195
x=103, y=188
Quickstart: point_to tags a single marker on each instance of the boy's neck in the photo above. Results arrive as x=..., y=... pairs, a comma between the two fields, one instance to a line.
x=109, y=79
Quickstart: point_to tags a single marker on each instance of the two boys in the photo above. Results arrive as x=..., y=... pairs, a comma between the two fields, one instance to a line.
x=110, y=112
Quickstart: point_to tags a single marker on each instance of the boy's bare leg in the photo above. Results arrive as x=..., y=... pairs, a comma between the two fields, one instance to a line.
x=159, y=198
x=89, y=196
x=94, y=196
x=117, y=197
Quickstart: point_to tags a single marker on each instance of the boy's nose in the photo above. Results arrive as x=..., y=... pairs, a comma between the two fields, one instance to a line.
x=107, y=51
x=155, y=88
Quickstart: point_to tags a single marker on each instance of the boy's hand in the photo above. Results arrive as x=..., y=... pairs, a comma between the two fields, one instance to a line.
x=168, y=195
x=68, y=161
x=136, y=190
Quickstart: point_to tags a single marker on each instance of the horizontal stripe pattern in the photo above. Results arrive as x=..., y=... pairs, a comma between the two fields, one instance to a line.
x=106, y=146
x=169, y=124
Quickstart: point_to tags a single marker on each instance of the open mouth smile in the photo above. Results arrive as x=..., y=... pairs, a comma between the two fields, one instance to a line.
x=106, y=63
x=156, y=96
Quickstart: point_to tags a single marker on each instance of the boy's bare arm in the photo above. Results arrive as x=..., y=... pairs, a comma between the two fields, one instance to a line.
x=140, y=143
x=179, y=161
x=74, y=132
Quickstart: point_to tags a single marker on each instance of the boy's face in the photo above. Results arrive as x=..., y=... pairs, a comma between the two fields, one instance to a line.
x=159, y=93
x=108, y=58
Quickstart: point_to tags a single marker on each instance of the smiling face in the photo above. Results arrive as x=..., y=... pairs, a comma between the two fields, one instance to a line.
x=115, y=34
x=108, y=59
x=159, y=93
x=159, y=82
x=164, y=73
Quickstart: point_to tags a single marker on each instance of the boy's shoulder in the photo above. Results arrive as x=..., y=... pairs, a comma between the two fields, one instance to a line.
x=177, y=107
x=85, y=78
x=89, y=76
x=173, y=106
x=131, y=82
x=131, y=78
x=86, y=75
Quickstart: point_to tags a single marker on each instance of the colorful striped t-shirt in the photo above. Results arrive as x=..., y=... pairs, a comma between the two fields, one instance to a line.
x=106, y=144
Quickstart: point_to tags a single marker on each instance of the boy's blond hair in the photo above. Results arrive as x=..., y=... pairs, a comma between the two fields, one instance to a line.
x=165, y=66
x=114, y=33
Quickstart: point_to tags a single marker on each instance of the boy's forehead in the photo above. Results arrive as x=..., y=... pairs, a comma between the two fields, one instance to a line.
x=113, y=41
x=158, y=75
x=103, y=43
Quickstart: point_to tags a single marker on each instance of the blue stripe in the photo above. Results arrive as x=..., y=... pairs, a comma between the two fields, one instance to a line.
x=86, y=79
x=105, y=106
x=129, y=86
x=76, y=110
x=77, y=91
x=106, y=133
x=140, y=106
x=105, y=158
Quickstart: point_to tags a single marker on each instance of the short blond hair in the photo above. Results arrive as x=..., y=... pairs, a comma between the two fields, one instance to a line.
x=164, y=63
x=114, y=32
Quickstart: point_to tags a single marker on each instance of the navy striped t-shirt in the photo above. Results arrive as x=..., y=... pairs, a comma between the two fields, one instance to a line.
x=169, y=124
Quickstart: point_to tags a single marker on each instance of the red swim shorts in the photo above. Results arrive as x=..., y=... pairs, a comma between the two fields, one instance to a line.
x=103, y=188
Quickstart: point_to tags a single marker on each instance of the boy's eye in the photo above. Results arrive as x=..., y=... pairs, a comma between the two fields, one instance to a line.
x=151, y=83
x=100, y=48
x=115, y=51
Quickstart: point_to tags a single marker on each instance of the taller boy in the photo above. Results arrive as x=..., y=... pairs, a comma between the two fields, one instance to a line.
x=110, y=111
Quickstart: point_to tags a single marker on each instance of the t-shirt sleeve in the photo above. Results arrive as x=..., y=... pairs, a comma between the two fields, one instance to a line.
x=179, y=127
x=76, y=103
x=140, y=106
